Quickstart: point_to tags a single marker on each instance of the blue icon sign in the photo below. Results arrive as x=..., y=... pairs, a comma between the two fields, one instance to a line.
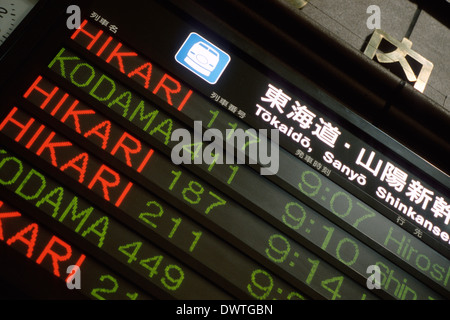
x=202, y=58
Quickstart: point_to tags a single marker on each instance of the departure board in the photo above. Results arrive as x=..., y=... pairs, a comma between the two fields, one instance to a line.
x=152, y=153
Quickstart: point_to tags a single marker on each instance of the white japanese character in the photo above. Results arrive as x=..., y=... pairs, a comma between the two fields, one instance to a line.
x=299, y=153
x=302, y=115
x=95, y=15
x=233, y=108
x=241, y=114
x=104, y=22
x=317, y=164
x=326, y=133
x=326, y=171
x=215, y=96
x=223, y=102
x=369, y=161
x=441, y=208
x=309, y=159
x=395, y=177
x=418, y=233
x=113, y=28
x=418, y=193
x=276, y=97
x=400, y=220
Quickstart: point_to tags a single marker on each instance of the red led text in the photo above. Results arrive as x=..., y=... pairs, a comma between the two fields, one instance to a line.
x=132, y=65
x=63, y=154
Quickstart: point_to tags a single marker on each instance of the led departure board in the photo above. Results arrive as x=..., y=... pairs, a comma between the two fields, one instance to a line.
x=147, y=162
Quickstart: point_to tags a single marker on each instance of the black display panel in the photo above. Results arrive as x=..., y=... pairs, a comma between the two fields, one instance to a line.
x=89, y=148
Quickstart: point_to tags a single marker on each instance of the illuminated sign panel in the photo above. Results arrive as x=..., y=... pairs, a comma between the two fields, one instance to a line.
x=314, y=138
x=87, y=143
x=239, y=178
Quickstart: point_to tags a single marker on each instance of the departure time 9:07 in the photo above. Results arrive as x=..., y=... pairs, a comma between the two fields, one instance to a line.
x=340, y=204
